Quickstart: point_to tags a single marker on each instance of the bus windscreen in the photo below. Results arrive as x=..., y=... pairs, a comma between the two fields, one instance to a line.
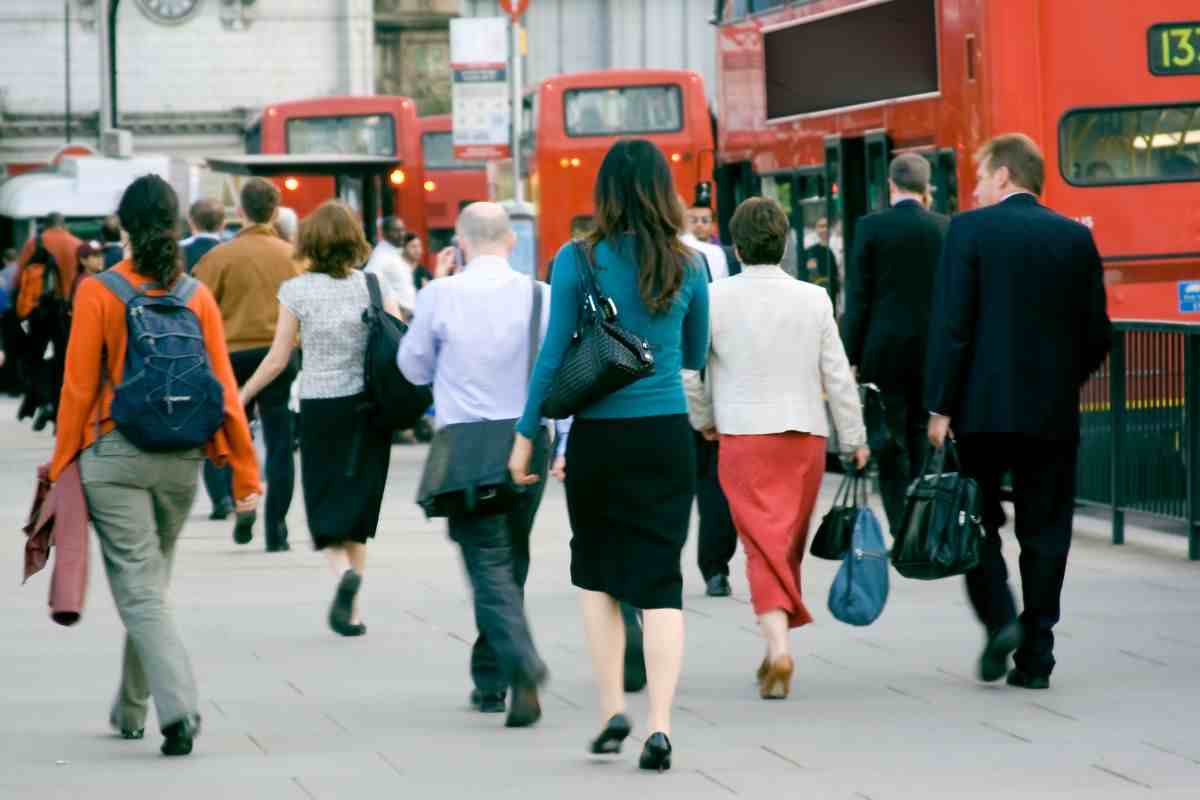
x=437, y=149
x=621, y=111
x=367, y=135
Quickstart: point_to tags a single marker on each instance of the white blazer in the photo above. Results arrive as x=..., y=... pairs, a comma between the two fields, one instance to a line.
x=775, y=357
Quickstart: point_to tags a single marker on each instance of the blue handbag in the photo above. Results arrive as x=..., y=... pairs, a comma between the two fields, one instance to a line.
x=860, y=588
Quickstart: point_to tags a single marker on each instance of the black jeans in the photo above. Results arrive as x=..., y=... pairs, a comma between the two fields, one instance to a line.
x=1043, y=476
x=901, y=457
x=276, y=420
x=495, y=552
x=718, y=536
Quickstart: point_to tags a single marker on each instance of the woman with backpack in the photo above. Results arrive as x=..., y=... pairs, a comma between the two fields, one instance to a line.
x=139, y=495
x=631, y=469
x=343, y=465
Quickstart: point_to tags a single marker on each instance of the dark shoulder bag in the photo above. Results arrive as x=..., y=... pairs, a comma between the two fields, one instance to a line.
x=466, y=471
x=833, y=536
x=602, y=356
x=942, y=531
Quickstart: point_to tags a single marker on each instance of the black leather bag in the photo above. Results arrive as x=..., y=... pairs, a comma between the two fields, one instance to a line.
x=392, y=402
x=837, y=527
x=942, y=528
x=602, y=356
x=466, y=471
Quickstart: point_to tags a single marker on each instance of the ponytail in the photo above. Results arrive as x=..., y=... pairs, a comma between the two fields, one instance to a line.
x=148, y=211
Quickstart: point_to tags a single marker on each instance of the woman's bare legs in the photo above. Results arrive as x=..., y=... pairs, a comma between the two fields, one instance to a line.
x=605, y=632
x=775, y=630
x=663, y=643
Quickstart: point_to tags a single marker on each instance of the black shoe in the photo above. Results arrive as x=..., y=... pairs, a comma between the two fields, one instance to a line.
x=278, y=543
x=42, y=418
x=656, y=755
x=718, y=586
x=129, y=734
x=610, y=739
x=525, y=709
x=27, y=409
x=222, y=510
x=488, y=702
x=243, y=529
x=994, y=661
x=279, y=546
x=1022, y=679
x=343, y=604
x=178, y=737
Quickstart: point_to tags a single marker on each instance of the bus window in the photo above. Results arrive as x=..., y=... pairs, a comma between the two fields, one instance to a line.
x=1107, y=146
x=369, y=135
x=624, y=110
x=437, y=148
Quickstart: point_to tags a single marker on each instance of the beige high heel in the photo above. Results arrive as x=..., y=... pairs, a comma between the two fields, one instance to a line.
x=776, y=684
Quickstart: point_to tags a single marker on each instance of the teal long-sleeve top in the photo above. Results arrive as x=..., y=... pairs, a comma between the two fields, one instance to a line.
x=678, y=336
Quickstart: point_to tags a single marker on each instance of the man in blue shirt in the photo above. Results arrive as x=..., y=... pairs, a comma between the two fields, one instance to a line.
x=468, y=331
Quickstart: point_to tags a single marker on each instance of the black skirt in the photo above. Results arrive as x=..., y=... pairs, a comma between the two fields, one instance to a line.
x=341, y=508
x=630, y=485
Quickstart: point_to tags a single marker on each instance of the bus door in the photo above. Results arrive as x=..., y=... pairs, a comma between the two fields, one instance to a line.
x=371, y=199
x=856, y=170
x=735, y=183
x=943, y=181
x=802, y=194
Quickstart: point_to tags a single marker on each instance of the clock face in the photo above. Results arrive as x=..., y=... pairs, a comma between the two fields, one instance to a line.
x=169, y=11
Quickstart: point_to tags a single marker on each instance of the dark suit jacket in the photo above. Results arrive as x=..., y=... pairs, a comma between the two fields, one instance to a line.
x=1020, y=320
x=889, y=293
x=196, y=248
x=735, y=266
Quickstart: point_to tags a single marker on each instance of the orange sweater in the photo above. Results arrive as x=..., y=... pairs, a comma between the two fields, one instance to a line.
x=98, y=328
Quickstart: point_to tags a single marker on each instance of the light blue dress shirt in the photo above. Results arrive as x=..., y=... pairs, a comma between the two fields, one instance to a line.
x=470, y=338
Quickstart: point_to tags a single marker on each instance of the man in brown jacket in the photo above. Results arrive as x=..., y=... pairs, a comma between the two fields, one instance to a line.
x=245, y=275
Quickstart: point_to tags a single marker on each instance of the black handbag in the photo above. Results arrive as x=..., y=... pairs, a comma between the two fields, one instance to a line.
x=837, y=527
x=942, y=528
x=392, y=402
x=602, y=356
x=466, y=471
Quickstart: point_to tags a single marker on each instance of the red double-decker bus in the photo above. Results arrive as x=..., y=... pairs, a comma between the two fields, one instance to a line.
x=450, y=183
x=384, y=127
x=816, y=97
x=573, y=120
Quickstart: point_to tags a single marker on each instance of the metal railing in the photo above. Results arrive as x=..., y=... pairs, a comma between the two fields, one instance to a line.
x=1140, y=431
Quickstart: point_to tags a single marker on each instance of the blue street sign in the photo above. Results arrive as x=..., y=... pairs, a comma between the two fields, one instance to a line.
x=1189, y=297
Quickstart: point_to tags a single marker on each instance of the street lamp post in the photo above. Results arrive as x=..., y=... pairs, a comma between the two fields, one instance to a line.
x=106, y=16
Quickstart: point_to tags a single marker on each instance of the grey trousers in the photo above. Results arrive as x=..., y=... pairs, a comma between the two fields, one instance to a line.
x=138, y=503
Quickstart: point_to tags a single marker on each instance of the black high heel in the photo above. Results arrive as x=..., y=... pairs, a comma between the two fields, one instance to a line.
x=609, y=741
x=656, y=755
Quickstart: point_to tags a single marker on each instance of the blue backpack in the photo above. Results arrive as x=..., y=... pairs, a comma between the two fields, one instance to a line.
x=169, y=399
x=860, y=589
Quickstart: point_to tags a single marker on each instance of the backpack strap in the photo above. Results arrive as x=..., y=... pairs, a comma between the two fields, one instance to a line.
x=185, y=286
x=374, y=291
x=116, y=283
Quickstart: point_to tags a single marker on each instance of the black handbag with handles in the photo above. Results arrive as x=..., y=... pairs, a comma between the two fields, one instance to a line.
x=466, y=471
x=837, y=527
x=602, y=356
x=942, y=528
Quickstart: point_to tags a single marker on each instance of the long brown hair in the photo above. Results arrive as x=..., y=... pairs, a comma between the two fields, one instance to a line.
x=635, y=195
x=148, y=211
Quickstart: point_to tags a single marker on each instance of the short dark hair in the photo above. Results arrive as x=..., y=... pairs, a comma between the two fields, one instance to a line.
x=331, y=240
x=1024, y=159
x=260, y=198
x=110, y=229
x=55, y=219
x=393, y=223
x=910, y=172
x=207, y=214
x=760, y=231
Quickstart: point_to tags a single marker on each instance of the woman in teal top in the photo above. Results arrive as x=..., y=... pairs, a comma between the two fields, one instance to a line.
x=630, y=459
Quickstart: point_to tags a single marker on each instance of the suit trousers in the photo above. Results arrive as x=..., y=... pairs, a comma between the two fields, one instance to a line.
x=901, y=457
x=718, y=536
x=495, y=552
x=1043, y=482
x=139, y=502
x=272, y=407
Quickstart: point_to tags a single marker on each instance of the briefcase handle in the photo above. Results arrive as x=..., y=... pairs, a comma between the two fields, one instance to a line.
x=939, y=458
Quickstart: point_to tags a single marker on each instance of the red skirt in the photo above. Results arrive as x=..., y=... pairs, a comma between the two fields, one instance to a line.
x=772, y=482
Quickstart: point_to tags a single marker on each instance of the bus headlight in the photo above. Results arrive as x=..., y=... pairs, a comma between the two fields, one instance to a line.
x=397, y=177
x=430, y=186
x=291, y=184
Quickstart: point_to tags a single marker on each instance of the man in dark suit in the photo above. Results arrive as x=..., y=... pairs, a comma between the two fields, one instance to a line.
x=206, y=218
x=1019, y=323
x=888, y=297
x=819, y=265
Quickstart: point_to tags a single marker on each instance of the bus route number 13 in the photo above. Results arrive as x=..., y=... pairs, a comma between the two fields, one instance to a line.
x=1175, y=48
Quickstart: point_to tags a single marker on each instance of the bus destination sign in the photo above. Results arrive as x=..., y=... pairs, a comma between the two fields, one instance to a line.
x=1175, y=48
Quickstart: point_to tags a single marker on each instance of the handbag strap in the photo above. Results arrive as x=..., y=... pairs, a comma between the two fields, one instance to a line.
x=535, y=328
x=597, y=303
x=375, y=293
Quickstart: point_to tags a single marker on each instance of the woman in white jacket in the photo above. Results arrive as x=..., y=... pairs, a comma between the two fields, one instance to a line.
x=775, y=357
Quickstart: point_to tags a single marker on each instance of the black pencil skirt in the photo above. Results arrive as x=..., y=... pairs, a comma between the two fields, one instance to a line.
x=630, y=485
x=341, y=508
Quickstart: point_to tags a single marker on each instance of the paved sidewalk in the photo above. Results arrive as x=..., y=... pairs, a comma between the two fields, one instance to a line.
x=886, y=712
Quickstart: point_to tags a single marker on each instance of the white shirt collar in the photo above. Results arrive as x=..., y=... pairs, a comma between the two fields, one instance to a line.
x=480, y=263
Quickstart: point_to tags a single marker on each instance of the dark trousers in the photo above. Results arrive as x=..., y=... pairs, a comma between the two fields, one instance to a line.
x=495, y=552
x=271, y=405
x=1043, y=478
x=718, y=536
x=48, y=330
x=902, y=455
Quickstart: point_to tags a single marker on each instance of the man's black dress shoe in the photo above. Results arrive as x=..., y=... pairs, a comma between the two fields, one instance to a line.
x=488, y=702
x=178, y=737
x=610, y=739
x=718, y=586
x=222, y=510
x=243, y=529
x=42, y=418
x=656, y=755
x=279, y=547
x=278, y=543
x=994, y=661
x=1022, y=679
x=525, y=709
